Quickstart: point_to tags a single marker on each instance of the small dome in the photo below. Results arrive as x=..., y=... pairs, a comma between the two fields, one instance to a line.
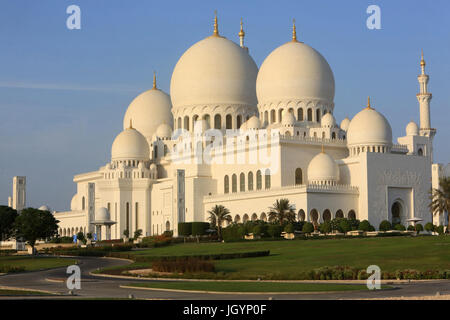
x=369, y=127
x=251, y=124
x=102, y=214
x=345, y=123
x=328, y=120
x=323, y=168
x=294, y=71
x=130, y=145
x=44, y=208
x=164, y=131
x=147, y=111
x=412, y=129
x=214, y=71
x=287, y=118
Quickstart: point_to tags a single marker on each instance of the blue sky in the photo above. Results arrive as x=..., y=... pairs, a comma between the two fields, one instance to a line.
x=63, y=93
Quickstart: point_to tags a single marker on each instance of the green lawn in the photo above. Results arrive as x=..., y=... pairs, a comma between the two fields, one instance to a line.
x=250, y=286
x=7, y=292
x=289, y=258
x=30, y=263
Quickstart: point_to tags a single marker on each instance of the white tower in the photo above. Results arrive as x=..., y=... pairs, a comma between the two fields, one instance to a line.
x=241, y=37
x=424, y=98
x=19, y=193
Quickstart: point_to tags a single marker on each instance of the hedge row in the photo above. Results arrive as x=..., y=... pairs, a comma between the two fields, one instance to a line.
x=11, y=269
x=88, y=252
x=183, y=265
x=221, y=256
x=192, y=228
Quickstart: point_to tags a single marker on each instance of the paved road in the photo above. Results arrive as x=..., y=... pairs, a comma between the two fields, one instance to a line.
x=99, y=287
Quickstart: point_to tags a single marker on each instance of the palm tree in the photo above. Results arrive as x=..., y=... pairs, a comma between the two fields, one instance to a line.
x=282, y=211
x=219, y=214
x=440, y=198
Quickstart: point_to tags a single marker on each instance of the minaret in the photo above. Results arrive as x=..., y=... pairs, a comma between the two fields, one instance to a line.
x=424, y=98
x=241, y=37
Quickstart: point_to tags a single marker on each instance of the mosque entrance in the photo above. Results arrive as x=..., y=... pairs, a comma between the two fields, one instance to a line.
x=396, y=213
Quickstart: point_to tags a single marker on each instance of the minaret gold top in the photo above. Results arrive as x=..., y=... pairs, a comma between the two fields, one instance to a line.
x=216, y=26
x=294, y=31
x=368, y=103
x=154, y=80
x=422, y=63
x=131, y=124
x=241, y=33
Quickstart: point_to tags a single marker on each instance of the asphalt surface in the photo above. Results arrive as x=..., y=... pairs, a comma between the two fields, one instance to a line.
x=100, y=287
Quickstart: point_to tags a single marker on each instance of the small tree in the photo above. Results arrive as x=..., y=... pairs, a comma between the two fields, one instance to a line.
x=289, y=228
x=344, y=225
x=429, y=227
x=440, y=198
x=81, y=237
x=7, y=217
x=385, y=225
x=282, y=211
x=33, y=224
x=89, y=236
x=364, y=225
x=126, y=233
x=137, y=234
x=217, y=216
x=308, y=227
x=419, y=227
x=325, y=227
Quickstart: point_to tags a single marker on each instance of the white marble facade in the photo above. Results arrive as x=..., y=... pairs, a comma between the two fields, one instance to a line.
x=327, y=170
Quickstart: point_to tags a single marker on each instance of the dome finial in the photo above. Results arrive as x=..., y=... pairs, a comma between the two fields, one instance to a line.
x=131, y=124
x=242, y=35
x=154, y=80
x=294, y=31
x=422, y=63
x=216, y=26
x=368, y=103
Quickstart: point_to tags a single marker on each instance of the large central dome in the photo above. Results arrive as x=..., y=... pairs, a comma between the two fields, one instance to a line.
x=214, y=71
x=295, y=71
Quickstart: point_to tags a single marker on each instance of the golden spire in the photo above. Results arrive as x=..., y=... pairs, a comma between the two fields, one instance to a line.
x=294, y=31
x=131, y=124
x=422, y=63
x=368, y=103
x=241, y=33
x=216, y=26
x=154, y=80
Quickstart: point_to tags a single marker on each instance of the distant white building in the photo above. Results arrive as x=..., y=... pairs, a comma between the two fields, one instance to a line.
x=286, y=144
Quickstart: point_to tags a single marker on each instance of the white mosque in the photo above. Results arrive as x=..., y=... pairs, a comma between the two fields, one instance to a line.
x=232, y=135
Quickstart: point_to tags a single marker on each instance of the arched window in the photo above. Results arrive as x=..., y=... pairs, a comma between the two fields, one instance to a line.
x=128, y=217
x=258, y=180
x=83, y=203
x=206, y=118
x=420, y=152
x=352, y=215
x=250, y=181
x=298, y=176
x=323, y=135
x=339, y=214
x=309, y=114
x=326, y=215
x=272, y=116
x=254, y=217
x=226, y=184
x=301, y=215
x=194, y=120
x=266, y=116
x=155, y=150
x=267, y=179
x=314, y=215
x=229, y=122
x=186, y=122
x=217, y=121
x=179, y=123
x=280, y=115
x=396, y=213
x=263, y=217
x=238, y=121
x=299, y=114
x=233, y=183
x=242, y=182
x=245, y=218
x=237, y=219
x=333, y=135
x=167, y=226
x=318, y=115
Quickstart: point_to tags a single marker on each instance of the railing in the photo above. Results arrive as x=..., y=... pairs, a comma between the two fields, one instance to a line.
x=401, y=148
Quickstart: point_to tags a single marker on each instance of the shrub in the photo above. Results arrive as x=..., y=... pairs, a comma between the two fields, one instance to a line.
x=419, y=227
x=257, y=230
x=308, y=227
x=410, y=228
x=11, y=269
x=335, y=224
x=371, y=228
x=364, y=225
x=429, y=227
x=399, y=227
x=274, y=230
x=344, y=225
x=184, y=228
x=440, y=229
x=289, y=228
x=354, y=224
x=199, y=228
x=385, y=226
x=183, y=265
x=298, y=225
x=232, y=233
x=325, y=227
